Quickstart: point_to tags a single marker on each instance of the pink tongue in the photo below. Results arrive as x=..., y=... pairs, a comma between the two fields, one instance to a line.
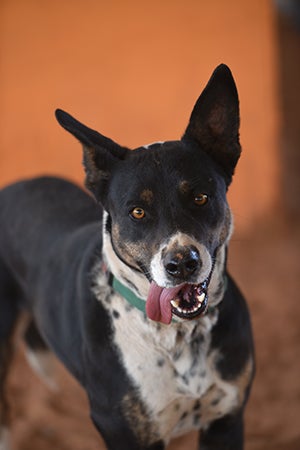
x=158, y=306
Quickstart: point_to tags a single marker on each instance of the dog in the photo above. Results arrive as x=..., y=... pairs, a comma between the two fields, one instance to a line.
x=127, y=282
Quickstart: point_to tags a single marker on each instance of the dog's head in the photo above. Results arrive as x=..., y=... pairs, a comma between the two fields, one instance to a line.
x=167, y=221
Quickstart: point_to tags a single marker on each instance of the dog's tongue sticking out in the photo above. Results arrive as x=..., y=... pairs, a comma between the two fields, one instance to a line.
x=158, y=305
x=186, y=301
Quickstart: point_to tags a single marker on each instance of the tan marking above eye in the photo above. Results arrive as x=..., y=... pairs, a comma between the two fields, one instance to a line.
x=147, y=196
x=200, y=199
x=184, y=187
x=138, y=213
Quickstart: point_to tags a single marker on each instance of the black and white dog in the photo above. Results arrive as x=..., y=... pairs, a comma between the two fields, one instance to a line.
x=145, y=317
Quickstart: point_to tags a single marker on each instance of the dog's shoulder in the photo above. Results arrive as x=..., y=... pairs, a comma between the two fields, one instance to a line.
x=40, y=212
x=232, y=335
x=232, y=342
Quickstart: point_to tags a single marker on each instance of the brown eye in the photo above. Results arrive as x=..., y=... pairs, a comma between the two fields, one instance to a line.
x=137, y=213
x=200, y=199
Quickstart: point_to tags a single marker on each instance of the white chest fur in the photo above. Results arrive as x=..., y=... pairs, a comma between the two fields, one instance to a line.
x=172, y=368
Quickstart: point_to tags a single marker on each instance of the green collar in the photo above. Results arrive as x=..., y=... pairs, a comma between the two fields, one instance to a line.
x=130, y=296
x=138, y=302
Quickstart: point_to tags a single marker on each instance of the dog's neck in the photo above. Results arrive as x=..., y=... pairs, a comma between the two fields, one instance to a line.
x=138, y=283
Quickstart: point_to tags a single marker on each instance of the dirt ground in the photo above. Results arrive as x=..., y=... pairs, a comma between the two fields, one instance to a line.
x=266, y=266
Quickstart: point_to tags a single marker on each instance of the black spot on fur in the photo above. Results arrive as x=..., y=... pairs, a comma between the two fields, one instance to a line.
x=180, y=335
x=197, y=405
x=161, y=362
x=116, y=314
x=220, y=394
x=185, y=379
x=196, y=419
x=199, y=340
x=195, y=353
x=184, y=415
x=216, y=401
x=177, y=355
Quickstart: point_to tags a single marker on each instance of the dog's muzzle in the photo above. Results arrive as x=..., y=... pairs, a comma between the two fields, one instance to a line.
x=180, y=271
x=186, y=300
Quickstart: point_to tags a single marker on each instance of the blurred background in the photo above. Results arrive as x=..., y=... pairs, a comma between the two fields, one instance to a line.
x=133, y=70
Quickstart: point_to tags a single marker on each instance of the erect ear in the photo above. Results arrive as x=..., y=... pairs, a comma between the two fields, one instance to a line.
x=100, y=154
x=214, y=122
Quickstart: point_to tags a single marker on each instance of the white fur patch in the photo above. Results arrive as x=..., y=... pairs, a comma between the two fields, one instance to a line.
x=170, y=367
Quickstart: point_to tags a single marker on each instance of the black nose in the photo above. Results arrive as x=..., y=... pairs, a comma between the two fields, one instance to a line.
x=182, y=263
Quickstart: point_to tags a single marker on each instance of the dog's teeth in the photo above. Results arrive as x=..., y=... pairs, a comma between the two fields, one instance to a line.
x=175, y=303
x=201, y=297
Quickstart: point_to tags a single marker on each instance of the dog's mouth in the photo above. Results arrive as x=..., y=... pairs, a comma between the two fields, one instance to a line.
x=186, y=301
x=190, y=302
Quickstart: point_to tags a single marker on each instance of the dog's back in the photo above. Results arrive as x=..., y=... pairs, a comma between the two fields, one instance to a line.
x=40, y=219
x=39, y=214
x=41, y=210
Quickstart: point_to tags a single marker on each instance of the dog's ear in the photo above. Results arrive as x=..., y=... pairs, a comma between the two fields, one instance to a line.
x=100, y=154
x=214, y=122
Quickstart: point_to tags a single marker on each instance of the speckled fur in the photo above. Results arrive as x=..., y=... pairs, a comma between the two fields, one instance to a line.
x=173, y=368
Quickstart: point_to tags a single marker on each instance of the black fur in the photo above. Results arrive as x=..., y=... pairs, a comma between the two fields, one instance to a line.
x=51, y=249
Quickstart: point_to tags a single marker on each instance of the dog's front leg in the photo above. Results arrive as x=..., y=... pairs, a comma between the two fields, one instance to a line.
x=118, y=434
x=224, y=434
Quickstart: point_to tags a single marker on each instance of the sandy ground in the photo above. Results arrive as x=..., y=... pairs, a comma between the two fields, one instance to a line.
x=43, y=420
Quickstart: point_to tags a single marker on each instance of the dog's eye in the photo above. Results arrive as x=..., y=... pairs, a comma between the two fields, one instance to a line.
x=137, y=213
x=200, y=199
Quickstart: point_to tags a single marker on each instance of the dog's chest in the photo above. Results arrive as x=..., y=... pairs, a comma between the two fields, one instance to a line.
x=172, y=368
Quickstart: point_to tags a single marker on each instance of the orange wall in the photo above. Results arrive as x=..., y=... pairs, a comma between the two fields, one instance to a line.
x=133, y=70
